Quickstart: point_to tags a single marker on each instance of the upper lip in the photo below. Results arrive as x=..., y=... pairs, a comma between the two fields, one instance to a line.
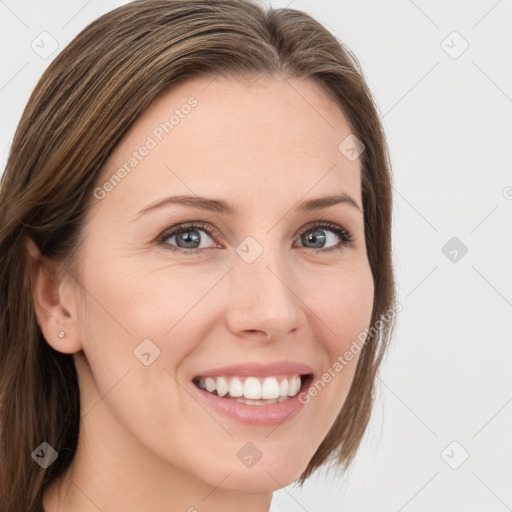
x=259, y=369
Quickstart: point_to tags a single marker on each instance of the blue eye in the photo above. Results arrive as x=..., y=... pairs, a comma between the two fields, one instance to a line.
x=316, y=234
x=188, y=235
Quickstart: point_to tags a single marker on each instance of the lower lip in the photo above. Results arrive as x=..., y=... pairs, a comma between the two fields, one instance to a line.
x=257, y=415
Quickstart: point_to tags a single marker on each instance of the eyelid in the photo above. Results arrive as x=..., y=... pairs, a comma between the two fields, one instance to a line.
x=178, y=228
x=327, y=225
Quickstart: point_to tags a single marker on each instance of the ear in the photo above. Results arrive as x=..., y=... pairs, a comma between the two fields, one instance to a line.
x=55, y=303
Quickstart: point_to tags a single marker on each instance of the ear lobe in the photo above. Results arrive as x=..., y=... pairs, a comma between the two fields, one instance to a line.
x=47, y=292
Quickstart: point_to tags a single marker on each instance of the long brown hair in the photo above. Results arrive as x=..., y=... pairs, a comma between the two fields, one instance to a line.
x=80, y=109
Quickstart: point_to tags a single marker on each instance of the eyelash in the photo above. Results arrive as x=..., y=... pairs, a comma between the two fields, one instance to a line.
x=346, y=236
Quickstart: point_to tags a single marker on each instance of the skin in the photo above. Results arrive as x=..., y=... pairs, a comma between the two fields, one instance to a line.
x=145, y=443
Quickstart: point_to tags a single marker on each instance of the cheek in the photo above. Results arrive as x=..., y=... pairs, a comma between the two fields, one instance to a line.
x=138, y=301
x=343, y=303
x=128, y=305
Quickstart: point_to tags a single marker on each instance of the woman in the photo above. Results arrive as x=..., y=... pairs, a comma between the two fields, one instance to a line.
x=196, y=271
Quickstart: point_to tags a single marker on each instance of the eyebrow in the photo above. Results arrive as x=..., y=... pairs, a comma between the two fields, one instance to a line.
x=226, y=208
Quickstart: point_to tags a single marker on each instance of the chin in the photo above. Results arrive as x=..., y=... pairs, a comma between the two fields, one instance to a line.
x=276, y=472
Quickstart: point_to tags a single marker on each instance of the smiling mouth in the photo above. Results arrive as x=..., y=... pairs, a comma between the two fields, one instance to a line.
x=251, y=390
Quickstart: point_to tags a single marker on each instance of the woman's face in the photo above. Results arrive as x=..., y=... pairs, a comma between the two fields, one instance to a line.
x=270, y=288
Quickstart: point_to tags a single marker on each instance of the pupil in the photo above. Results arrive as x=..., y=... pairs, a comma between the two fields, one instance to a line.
x=316, y=236
x=189, y=239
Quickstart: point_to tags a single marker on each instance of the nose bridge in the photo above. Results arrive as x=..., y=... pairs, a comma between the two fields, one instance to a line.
x=263, y=298
x=267, y=277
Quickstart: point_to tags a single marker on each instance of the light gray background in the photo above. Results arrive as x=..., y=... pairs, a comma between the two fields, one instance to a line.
x=448, y=119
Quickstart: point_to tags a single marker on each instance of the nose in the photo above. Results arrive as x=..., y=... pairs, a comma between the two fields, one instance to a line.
x=263, y=303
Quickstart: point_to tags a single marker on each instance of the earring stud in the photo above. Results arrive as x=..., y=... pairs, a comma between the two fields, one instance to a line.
x=61, y=334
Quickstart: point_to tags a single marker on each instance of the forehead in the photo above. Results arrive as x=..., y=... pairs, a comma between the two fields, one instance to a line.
x=266, y=137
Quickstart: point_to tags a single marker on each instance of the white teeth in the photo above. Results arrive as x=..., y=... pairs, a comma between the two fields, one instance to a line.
x=236, y=388
x=294, y=386
x=270, y=388
x=283, y=388
x=222, y=386
x=260, y=402
x=255, y=389
x=252, y=388
x=210, y=384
